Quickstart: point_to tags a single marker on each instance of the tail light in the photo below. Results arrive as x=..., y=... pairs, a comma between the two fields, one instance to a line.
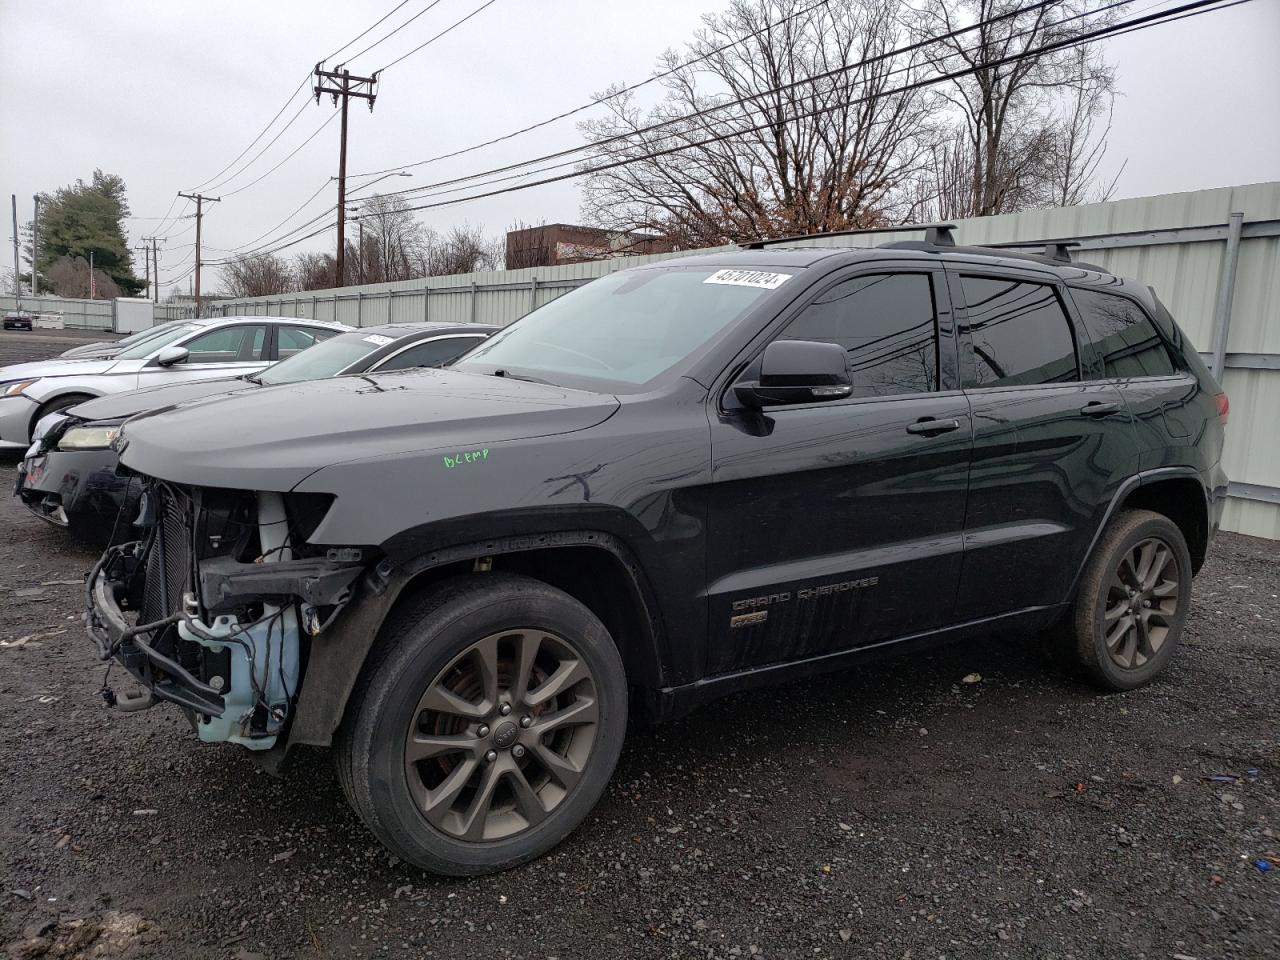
x=1224, y=408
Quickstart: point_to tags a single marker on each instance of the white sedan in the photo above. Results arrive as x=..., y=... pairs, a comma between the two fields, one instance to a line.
x=192, y=350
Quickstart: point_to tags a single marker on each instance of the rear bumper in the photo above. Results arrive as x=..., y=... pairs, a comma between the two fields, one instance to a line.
x=15, y=420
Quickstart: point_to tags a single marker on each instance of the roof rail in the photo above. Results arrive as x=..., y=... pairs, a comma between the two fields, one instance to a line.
x=1059, y=250
x=938, y=234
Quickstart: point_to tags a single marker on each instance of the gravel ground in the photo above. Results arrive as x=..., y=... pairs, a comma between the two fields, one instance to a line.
x=894, y=811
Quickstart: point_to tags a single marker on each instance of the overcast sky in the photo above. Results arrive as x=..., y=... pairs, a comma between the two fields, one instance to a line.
x=165, y=94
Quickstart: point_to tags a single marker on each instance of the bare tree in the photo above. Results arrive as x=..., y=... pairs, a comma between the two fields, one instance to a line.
x=464, y=249
x=833, y=148
x=1014, y=146
x=392, y=240
x=1082, y=138
x=258, y=276
x=314, y=271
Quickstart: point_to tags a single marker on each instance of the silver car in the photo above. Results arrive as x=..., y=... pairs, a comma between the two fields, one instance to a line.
x=192, y=350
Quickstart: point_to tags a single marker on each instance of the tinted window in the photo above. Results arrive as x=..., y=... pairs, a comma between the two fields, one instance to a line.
x=227, y=344
x=434, y=353
x=1020, y=333
x=887, y=324
x=326, y=359
x=296, y=339
x=1123, y=335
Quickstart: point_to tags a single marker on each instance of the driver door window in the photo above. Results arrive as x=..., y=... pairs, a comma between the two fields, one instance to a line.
x=228, y=345
x=887, y=324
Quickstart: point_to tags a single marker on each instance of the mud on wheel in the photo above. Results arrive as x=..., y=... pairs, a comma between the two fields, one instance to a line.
x=1132, y=602
x=488, y=727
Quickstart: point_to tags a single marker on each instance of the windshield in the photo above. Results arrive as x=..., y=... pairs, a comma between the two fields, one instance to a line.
x=325, y=359
x=146, y=347
x=146, y=334
x=624, y=329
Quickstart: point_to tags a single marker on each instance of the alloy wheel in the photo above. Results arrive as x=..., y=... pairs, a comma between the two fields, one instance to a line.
x=502, y=734
x=1141, y=603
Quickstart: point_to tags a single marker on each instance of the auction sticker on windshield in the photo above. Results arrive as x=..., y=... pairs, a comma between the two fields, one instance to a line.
x=749, y=278
x=379, y=339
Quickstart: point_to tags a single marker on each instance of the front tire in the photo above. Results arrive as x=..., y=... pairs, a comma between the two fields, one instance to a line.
x=1132, y=603
x=55, y=405
x=488, y=726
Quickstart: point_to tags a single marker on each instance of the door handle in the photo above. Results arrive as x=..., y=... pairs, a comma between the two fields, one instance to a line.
x=1097, y=408
x=928, y=426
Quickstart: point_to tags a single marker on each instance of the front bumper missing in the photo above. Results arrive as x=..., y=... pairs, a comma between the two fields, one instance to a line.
x=162, y=676
x=253, y=668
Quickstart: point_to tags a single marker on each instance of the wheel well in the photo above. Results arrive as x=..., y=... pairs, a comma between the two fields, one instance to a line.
x=59, y=402
x=594, y=576
x=1181, y=499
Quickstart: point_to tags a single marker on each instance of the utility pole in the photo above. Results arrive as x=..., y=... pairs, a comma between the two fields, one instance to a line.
x=93, y=286
x=346, y=87
x=145, y=250
x=35, y=248
x=152, y=255
x=200, y=200
x=17, y=284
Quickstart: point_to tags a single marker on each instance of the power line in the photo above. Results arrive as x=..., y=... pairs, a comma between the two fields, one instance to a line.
x=365, y=32
x=624, y=90
x=260, y=178
x=844, y=69
x=715, y=108
x=452, y=26
x=425, y=9
x=1183, y=11
x=252, y=160
x=1129, y=26
x=261, y=134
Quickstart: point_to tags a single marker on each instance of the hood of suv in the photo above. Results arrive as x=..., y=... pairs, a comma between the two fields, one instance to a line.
x=117, y=406
x=272, y=438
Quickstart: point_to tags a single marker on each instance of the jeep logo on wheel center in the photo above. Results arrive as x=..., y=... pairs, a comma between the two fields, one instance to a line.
x=506, y=735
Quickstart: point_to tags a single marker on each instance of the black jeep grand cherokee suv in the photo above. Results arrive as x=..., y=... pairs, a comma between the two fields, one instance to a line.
x=677, y=481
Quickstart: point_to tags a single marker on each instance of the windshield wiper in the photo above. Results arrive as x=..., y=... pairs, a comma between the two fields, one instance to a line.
x=252, y=378
x=507, y=374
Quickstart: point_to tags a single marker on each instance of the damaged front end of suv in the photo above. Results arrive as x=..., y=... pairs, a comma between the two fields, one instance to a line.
x=214, y=607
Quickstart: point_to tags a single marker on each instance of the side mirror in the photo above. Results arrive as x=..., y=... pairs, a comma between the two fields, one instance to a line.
x=798, y=371
x=171, y=355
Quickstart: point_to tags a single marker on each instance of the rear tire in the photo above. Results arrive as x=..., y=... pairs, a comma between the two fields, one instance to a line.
x=486, y=726
x=1129, y=612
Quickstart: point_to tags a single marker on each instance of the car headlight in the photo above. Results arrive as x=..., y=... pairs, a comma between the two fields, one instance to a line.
x=16, y=387
x=88, y=438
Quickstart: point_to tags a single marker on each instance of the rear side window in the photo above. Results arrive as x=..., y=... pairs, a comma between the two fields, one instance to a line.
x=433, y=353
x=1124, y=336
x=1019, y=331
x=296, y=339
x=886, y=323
